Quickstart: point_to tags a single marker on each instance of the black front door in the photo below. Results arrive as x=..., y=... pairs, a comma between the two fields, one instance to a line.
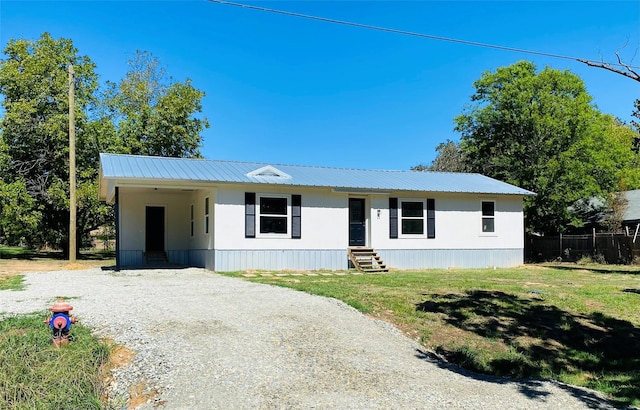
x=357, y=224
x=154, y=230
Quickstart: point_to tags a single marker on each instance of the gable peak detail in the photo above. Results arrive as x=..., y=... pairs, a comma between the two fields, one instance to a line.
x=270, y=172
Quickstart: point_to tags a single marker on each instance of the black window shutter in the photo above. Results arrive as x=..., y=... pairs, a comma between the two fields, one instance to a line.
x=296, y=216
x=431, y=218
x=393, y=217
x=249, y=215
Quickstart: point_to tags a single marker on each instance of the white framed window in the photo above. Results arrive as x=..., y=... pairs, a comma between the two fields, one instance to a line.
x=273, y=215
x=488, y=217
x=191, y=219
x=412, y=215
x=206, y=215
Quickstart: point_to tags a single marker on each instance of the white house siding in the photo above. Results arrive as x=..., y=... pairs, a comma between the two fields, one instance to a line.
x=324, y=235
x=458, y=242
x=457, y=223
x=324, y=221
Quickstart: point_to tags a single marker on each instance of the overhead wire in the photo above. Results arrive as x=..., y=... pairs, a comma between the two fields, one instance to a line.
x=415, y=34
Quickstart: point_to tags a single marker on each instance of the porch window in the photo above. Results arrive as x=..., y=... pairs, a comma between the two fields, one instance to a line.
x=488, y=216
x=191, y=219
x=206, y=215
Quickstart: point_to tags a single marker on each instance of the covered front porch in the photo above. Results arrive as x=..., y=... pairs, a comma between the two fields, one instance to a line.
x=164, y=225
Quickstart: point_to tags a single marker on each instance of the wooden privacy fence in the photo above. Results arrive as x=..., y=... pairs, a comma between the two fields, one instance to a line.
x=602, y=247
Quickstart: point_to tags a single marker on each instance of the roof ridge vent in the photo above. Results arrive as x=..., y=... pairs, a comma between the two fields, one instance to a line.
x=270, y=172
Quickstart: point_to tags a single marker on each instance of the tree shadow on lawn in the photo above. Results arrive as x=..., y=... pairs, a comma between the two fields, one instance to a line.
x=534, y=389
x=605, y=269
x=545, y=340
x=34, y=255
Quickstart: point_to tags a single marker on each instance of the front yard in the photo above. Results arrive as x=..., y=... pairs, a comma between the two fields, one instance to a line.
x=569, y=323
x=576, y=324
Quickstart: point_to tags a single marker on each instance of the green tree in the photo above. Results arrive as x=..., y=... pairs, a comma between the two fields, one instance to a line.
x=539, y=130
x=144, y=114
x=34, y=132
x=154, y=115
x=635, y=123
x=449, y=159
x=18, y=214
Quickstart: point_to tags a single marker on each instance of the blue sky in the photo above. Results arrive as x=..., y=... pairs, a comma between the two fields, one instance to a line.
x=281, y=89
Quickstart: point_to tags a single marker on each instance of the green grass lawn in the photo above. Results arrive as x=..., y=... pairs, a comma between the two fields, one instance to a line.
x=18, y=252
x=579, y=326
x=36, y=375
x=15, y=252
x=33, y=373
x=14, y=282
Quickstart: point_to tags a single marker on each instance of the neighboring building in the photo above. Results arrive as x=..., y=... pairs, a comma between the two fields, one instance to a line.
x=229, y=216
x=595, y=211
x=631, y=216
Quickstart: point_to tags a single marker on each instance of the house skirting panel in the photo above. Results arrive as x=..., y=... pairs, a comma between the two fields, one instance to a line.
x=201, y=258
x=451, y=258
x=331, y=259
x=131, y=258
x=180, y=257
x=299, y=259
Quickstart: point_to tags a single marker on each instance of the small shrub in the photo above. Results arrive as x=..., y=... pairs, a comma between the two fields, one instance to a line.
x=599, y=259
x=585, y=260
x=466, y=357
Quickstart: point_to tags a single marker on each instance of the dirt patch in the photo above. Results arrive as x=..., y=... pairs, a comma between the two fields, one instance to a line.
x=11, y=267
x=140, y=394
x=121, y=356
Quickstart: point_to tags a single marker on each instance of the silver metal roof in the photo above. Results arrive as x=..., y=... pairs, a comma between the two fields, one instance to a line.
x=157, y=169
x=632, y=209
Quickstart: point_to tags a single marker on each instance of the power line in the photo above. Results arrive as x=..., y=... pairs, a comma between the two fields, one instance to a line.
x=414, y=34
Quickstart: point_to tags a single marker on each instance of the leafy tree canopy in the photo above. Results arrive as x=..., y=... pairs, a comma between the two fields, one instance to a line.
x=540, y=131
x=449, y=159
x=154, y=115
x=143, y=114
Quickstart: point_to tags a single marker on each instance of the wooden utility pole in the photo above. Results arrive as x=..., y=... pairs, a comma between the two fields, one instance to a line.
x=72, y=169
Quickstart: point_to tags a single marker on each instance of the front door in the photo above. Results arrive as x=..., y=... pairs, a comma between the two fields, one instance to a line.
x=154, y=230
x=357, y=222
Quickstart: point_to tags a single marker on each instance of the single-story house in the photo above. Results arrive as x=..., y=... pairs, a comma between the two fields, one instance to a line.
x=228, y=216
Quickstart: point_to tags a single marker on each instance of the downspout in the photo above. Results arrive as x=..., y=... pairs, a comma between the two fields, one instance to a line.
x=117, y=229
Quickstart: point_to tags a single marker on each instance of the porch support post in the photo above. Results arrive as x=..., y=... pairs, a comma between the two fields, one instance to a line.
x=117, y=211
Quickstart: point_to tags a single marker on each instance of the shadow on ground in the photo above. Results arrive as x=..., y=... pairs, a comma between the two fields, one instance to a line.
x=622, y=270
x=543, y=340
x=34, y=255
x=534, y=389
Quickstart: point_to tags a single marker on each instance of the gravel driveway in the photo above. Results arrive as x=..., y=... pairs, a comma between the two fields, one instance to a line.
x=205, y=341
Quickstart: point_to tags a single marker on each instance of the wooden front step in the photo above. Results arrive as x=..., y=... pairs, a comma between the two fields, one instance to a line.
x=156, y=258
x=367, y=260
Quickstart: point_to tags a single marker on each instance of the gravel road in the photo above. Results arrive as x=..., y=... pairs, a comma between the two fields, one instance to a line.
x=205, y=341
